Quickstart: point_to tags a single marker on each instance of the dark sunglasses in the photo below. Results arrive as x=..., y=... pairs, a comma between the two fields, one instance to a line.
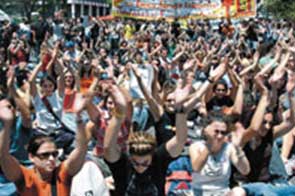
x=46, y=155
x=223, y=133
x=220, y=90
x=268, y=122
x=143, y=164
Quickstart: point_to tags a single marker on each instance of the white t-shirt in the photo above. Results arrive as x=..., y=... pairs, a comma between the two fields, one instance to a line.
x=45, y=119
x=89, y=181
x=216, y=172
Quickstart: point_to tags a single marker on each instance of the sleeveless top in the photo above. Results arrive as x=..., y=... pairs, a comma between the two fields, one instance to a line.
x=215, y=173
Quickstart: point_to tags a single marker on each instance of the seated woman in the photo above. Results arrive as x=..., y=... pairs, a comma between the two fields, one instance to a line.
x=211, y=159
x=47, y=177
x=141, y=171
x=258, y=141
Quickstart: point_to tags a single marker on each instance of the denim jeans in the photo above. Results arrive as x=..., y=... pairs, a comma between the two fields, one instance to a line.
x=266, y=189
x=6, y=188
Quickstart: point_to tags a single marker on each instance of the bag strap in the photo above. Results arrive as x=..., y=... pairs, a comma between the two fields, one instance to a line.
x=53, y=185
x=50, y=110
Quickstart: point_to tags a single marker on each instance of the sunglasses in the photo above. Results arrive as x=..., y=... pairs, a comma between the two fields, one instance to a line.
x=46, y=155
x=268, y=122
x=143, y=164
x=220, y=90
x=223, y=133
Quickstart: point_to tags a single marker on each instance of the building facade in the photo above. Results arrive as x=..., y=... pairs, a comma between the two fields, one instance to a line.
x=80, y=8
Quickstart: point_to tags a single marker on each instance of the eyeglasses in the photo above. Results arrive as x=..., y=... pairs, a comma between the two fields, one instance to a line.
x=46, y=155
x=143, y=164
x=223, y=133
x=268, y=122
x=220, y=90
x=170, y=100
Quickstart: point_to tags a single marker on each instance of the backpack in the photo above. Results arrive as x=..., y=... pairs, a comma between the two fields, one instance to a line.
x=178, y=178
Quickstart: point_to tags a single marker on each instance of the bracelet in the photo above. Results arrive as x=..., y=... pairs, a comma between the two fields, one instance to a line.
x=210, y=80
x=239, y=152
x=180, y=110
x=241, y=155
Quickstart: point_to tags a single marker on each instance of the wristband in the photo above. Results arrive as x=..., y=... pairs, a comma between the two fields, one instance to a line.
x=180, y=110
x=210, y=80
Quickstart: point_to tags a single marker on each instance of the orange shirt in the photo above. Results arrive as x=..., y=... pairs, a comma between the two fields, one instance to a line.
x=34, y=186
x=85, y=83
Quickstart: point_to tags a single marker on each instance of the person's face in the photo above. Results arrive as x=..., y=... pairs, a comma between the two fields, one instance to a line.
x=138, y=58
x=141, y=163
x=102, y=52
x=164, y=53
x=266, y=124
x=45, y=159
x=5, y=103
x=47, y=88
x=110, y=104
x=190, y=77
x=220, y=90
x=69, y=79
x=170, y=102
x=217, y=132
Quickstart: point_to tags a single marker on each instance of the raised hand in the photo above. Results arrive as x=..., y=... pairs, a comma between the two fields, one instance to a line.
x=259, y=81
x=119, y=100
x=291, y=82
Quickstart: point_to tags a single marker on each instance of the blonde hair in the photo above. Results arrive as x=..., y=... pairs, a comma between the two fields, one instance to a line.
x=141, y=143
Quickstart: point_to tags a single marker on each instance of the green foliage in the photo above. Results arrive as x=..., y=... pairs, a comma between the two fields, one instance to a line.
x=284, y=9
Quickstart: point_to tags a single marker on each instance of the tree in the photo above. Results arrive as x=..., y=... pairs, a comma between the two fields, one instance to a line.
x=284, y=9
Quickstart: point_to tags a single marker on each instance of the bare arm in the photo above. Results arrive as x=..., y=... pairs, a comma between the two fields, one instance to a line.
x=289, y=116
x=9, y=165
x=237, y=155
x=155, y=107
x=198, y=156
x=77, y=157
x=22, y=106
x=111, y=150
x=258, y=116
x=32, y=80
x=175, y=145
x=240, y=160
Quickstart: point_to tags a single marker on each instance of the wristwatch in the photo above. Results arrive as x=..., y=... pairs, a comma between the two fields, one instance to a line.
x=180, y=110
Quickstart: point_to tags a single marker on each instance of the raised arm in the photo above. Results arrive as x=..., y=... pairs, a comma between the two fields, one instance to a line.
x=196, y=97
x=22, y=106
x=77, y=157
x=32, y=80
x=9, y=165
x=155, y=107
x=111, y=150
x=258, y=116
x=61, y=79
x=175, y=145
x=288, y=116
x=237, y=155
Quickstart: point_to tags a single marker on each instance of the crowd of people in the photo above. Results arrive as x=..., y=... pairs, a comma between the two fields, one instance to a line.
x=147, y=108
